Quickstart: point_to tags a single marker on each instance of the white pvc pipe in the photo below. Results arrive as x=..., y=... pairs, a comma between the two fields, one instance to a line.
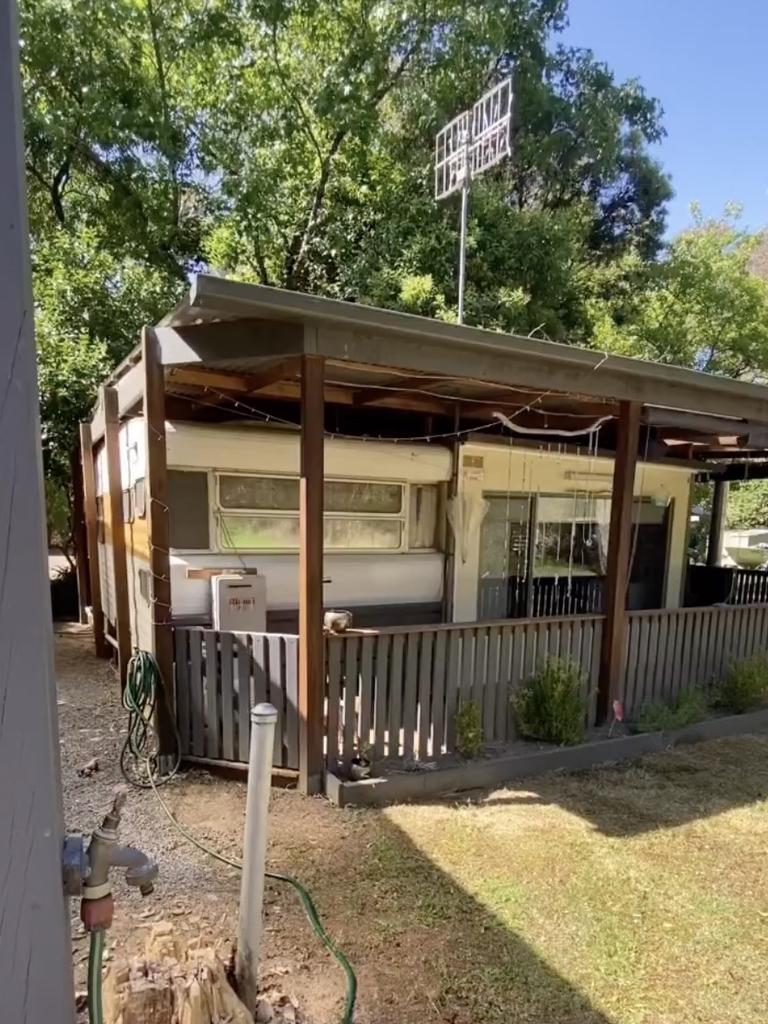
x=263, y=719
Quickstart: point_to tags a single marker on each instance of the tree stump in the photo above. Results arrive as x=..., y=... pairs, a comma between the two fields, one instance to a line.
x=173, y=983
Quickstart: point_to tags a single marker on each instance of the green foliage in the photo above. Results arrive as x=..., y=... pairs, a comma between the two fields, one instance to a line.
x=745, y=685
x=687, y=707
x=469, y=730
x=552, y=706
x=748, y=505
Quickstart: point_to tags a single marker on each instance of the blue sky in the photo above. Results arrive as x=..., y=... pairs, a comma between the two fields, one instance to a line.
x=707, y=62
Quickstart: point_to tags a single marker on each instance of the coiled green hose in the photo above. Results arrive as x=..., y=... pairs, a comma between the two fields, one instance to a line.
x=143, y=685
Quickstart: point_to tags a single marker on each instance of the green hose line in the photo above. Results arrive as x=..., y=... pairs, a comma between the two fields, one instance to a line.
x=142, y=685
x=95, y=954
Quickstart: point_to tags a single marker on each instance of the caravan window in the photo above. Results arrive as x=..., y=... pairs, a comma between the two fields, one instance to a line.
x=261, y=513
x=188, y=510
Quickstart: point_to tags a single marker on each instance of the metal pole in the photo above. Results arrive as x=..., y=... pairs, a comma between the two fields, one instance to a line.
x=463, y=242
x=717, y=523
x=35, y=942
x=263, y=719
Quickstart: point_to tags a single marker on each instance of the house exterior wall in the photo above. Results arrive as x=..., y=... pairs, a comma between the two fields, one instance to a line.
x=506, y=468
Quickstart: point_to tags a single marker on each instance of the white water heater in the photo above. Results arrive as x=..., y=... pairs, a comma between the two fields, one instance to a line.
x=239, y=603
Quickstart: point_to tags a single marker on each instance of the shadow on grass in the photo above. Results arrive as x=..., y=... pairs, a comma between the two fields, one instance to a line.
x=423, y=948
x=657, y=791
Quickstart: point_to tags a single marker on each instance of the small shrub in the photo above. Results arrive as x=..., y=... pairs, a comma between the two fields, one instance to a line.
x=746, y=685
x=552, y=706
x=469, y=730
x=688, y=707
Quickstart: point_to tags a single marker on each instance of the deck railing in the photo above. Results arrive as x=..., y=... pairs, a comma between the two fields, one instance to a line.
x=397, y=691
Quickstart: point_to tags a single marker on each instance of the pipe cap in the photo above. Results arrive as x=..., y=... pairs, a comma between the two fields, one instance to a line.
x=263, y=714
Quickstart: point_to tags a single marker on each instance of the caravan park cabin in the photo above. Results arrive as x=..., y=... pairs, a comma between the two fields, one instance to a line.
x=476, y=501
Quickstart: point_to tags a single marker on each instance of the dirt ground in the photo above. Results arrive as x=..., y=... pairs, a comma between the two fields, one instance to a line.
x=633, y=894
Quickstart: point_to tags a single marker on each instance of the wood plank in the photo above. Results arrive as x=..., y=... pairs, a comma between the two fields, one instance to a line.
x=366, y=692
x=480, y=670
x=530, y=657
x=594, y=667
x=260, y=691
x=659, y=656
x=424, y=725
x=452, y=687
x=439, y=669
x=311, y=646
x=410, y=693
x=492, y=684
x=276, y=663
x=182, y=689
x=92, y=538
x=227, y=697
x=212, y=745
x=158, y=523
x=351, y=682
x=117, y=530
x=467, y=667
x=381, y=697
x=196, y=700
x=395, y=695
x=501, y=716
x=335, y=648
x=291, y=728
x=243, y=652
x=619, y=556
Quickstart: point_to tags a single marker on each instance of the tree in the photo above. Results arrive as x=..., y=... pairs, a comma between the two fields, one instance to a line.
x=700, y=306
x=748, y=505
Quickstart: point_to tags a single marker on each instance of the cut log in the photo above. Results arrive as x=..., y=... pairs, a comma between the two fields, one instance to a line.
x=172, y=983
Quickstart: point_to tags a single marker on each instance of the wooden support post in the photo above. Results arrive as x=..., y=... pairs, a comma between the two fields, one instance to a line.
x=116, y=536
x=80, y=537
x=619, y=557
x=158, y=532
x=311, y=646
x=717, y=523
x=92, y=538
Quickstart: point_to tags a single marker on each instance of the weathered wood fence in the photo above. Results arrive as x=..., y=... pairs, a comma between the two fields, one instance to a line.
x=396, y=691
x=219, y=677
x=687, y=648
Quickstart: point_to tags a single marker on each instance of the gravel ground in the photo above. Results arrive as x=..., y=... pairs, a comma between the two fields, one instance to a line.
x=196, y=893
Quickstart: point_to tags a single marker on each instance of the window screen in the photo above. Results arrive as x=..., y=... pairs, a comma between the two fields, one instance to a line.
x=188, y=510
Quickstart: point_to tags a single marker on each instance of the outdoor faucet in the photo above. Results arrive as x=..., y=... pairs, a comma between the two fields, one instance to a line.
x=104, y=853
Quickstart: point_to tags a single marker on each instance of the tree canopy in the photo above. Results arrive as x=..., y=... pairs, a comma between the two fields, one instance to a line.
x=290, y=142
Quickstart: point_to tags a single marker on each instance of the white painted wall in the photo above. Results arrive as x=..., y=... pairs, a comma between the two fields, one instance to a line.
x=519, y=470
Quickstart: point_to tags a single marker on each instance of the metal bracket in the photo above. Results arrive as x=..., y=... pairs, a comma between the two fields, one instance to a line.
x=74, y=865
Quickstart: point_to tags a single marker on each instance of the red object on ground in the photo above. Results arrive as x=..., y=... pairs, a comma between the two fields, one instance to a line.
x=618, y=710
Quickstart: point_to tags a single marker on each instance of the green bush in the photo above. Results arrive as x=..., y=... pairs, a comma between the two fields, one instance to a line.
x=552, y=706
x=688, y=707
x=469, y=730
x=746, y=684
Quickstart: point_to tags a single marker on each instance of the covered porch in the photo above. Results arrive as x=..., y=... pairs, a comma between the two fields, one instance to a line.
x=561, y=520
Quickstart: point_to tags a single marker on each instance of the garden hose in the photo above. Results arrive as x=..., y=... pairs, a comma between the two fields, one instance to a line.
x=95, y=955
x=143, y=688
x=143, y=684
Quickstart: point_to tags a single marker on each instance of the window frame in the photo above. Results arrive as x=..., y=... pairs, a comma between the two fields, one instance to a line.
x=402, y=517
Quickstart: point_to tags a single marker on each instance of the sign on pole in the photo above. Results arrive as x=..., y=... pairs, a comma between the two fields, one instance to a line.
x=469, y=145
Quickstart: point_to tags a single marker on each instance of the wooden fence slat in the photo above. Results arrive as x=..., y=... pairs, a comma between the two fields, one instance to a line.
x=438, y=694
x=660, y=656
x=467, y=666
x=382, y=690
x=492, y=683
x=182, y=688
x=479, y=670
x=452, y=686
x=503, y=692
x=335, y=649
x=351, y=672
x=594, y=667
x=366, y=692
x=212, y=724
x=259, y=659
x=425, y=696
x=410, y=693
x=276, y=670
x=395, y=695
x=243, y=654
x=196, y=698
x=227, y=697
x=630, y=662
x=291, y=730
